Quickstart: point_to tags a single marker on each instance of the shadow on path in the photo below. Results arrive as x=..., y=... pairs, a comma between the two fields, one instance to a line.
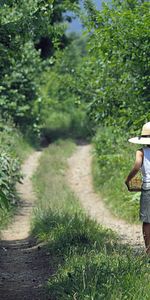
x=25, y=267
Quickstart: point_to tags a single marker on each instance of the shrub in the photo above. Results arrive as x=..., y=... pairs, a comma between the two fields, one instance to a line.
x=112, y=161
x=13, y=150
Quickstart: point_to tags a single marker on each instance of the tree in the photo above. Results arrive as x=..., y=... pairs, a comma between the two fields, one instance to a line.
x=28, y=26
x=119, y=63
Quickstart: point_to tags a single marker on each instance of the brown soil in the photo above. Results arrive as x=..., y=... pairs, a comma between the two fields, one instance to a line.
x=80, y=179
x=25, y=265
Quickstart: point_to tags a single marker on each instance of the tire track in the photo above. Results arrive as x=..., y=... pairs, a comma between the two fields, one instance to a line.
x=80, y=180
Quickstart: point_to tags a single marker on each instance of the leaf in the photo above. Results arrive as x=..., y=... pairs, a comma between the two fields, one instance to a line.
x=4, y=203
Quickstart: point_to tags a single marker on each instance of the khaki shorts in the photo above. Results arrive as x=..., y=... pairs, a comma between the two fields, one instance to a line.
x=145, y=206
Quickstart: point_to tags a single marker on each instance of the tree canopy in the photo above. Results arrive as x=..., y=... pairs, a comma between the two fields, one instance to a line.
x=30, y=31
x=119, y=60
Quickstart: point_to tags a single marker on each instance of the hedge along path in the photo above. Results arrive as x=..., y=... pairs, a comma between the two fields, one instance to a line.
x=80, y=179
x=25, y=265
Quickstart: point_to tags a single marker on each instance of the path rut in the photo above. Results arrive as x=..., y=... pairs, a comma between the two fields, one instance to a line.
x=80, y=180
x=25, y=265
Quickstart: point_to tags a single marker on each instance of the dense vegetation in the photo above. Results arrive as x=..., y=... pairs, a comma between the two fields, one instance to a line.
x=101, y=79
x=31, y=32
x=119, y=47
x=111, y=84
x=117, y=69
x=13, y=150
x=64, y=112
x=113, y=158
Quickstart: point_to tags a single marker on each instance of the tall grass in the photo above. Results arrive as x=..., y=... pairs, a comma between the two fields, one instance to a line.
x=114, y=157
x=90, y=263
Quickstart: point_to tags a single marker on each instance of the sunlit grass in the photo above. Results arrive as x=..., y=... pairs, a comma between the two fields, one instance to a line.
x=91, y=262
x=111, y=165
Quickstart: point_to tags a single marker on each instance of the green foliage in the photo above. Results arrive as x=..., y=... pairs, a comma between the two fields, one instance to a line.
x=10, y=174
x=25, y=28
x=88, y=261
x=21, y=86
x=20, y=63
x=118, y=63
x=63, y=109
x=112, y=161
x=13, y=151
x=59, y=124
x=13, y=141
x=114, y=82
x=31, y=31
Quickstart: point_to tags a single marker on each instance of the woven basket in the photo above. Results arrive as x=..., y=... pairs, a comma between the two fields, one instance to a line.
x=135, y=184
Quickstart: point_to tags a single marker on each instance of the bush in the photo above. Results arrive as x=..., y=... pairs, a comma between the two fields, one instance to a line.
x=13, y=150
x=112, y=162
x=118, y=65
x=10, y=174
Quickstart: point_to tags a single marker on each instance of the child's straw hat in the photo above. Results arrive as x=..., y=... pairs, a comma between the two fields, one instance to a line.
x=144, y=139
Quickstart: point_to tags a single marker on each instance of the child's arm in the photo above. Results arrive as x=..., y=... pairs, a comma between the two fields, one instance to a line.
x=136, y=168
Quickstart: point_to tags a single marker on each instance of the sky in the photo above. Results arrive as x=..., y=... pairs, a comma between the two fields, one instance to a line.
x=76, y=25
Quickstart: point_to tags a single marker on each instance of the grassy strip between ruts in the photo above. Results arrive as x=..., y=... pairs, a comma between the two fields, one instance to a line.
x=91, y=263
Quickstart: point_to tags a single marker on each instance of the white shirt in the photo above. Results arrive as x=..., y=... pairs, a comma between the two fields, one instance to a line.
x=145, y=169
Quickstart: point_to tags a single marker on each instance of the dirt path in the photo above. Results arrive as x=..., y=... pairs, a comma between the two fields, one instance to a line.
x=20, y=227
x=24, y=264
x=79, y=177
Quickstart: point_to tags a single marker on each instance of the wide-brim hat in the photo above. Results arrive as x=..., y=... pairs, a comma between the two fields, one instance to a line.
x=144, y=138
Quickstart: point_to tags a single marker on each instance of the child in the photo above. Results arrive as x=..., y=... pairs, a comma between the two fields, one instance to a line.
x=142, y=162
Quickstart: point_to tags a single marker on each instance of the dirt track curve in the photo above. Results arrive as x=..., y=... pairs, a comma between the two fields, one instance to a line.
x=24, y=264
x=80, y=179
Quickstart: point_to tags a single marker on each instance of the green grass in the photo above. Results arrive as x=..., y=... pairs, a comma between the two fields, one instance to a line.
x=23, y=148
x=113, y=159
x=90, y=263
